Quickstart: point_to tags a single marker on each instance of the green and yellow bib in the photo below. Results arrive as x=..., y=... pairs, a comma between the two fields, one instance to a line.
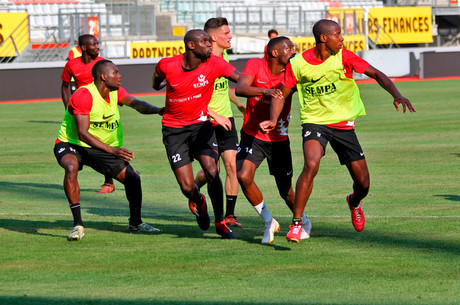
x=104, y=121
x=220, y=101
x=326, y=95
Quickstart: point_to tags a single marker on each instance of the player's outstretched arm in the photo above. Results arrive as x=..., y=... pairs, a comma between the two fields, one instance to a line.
x=141, y=106
x=386, y=83
x=82, y=123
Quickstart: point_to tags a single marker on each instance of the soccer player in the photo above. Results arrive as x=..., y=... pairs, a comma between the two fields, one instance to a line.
x=227, y=140
x=260, y=81
x=187, y=131
x=329, y=104
x=79, y=68
x=91, y=134
x=272, y=33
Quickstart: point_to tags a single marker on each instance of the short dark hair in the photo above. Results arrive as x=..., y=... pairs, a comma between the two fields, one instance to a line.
x=275, y=42
x=99, y=68
x=215, y=23
x=82, y=39
x=322, y=27
x=272, y=31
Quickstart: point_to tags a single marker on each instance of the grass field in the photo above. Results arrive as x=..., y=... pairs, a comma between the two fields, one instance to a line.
x=407, y=254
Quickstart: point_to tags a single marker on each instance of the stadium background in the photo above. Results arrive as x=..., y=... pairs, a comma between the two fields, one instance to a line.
x=402, y=38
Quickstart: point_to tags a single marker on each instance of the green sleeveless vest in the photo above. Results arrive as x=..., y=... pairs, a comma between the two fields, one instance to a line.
x=326, y=95
x=104, y=121
x=220, y=101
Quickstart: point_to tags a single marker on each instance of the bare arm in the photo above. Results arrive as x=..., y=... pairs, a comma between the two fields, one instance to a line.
x=276, y=107
x=386, y=83
x=141, y=106
x=220, y=119
x=235, y=100
x=234, y=76
x=65, y=93
x=158, y=83
x=82, y=123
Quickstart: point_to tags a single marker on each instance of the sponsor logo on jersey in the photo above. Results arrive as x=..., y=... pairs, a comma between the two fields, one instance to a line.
x=313, y=91
x=106, y=125
x=202, y=81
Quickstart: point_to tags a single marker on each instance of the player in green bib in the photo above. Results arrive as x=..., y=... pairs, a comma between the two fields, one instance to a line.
x=329, y=104
x=91, y=134
x=220, y=104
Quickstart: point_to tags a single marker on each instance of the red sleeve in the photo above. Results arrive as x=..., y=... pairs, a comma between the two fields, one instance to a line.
x=352, y=62
x=81, y=102
x=289, y=78
x=159, y=69
x=66, y=74
x=225, y=67
x=251, y=68
x=122, y=94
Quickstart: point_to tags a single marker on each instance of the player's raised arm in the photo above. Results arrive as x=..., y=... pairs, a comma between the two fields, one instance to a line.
x=244, y=88
x=386, y=83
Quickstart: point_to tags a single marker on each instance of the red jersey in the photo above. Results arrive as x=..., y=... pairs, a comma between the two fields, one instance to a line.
x=188, y=92
x=258, y=107
x=79, y=71
x=351, y=62
x=81, y=101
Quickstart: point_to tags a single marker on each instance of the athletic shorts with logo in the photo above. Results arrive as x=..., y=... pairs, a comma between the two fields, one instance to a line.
x=344, y=142
x=183, y=145
x=226, y=139
x=278, y=154
x=99, y=160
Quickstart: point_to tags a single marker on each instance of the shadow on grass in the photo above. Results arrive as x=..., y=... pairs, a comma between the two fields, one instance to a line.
x=47, y=301
x=45, y=122
x=449, y=197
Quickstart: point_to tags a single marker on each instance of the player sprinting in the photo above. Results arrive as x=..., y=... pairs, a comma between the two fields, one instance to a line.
x=91, y=134
x=78, y=68
x=329, y=104
x=259, y=82
x=187, y=131
x=227, y=140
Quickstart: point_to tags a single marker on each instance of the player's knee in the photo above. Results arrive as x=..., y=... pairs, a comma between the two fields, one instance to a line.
x=243, y=178
x=131, y=177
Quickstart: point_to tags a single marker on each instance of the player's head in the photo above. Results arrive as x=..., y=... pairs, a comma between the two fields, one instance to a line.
x=89, y=45
x=281, y=48
x=272, y=33
x=219, y=32
x=106, y=72
x=328, y=33
x=197, y=42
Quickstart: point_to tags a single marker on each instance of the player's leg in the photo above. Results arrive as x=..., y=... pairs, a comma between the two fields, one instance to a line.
x=231, y=186
x=313, y=152
x=69, y=159
x=345, y=143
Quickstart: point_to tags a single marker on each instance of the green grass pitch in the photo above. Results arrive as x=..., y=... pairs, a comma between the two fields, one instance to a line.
x=408, y=253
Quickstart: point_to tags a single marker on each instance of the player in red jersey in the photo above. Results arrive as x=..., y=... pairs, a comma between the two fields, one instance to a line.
x=187, y=131
x=79, y=69
x=260, y=81
x=91, y=134
x=330, y=102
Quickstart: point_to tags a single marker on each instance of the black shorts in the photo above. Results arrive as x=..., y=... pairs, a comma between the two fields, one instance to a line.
x=278, y=154
x=185, y=144
x=344, y=142
x=99, y=160
x=226, y=139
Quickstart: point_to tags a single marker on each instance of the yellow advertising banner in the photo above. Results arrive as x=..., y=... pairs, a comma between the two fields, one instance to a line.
x=400, y=25
x=351, y=42
x=157, y=49
x=14, y=33
x=350, y=19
